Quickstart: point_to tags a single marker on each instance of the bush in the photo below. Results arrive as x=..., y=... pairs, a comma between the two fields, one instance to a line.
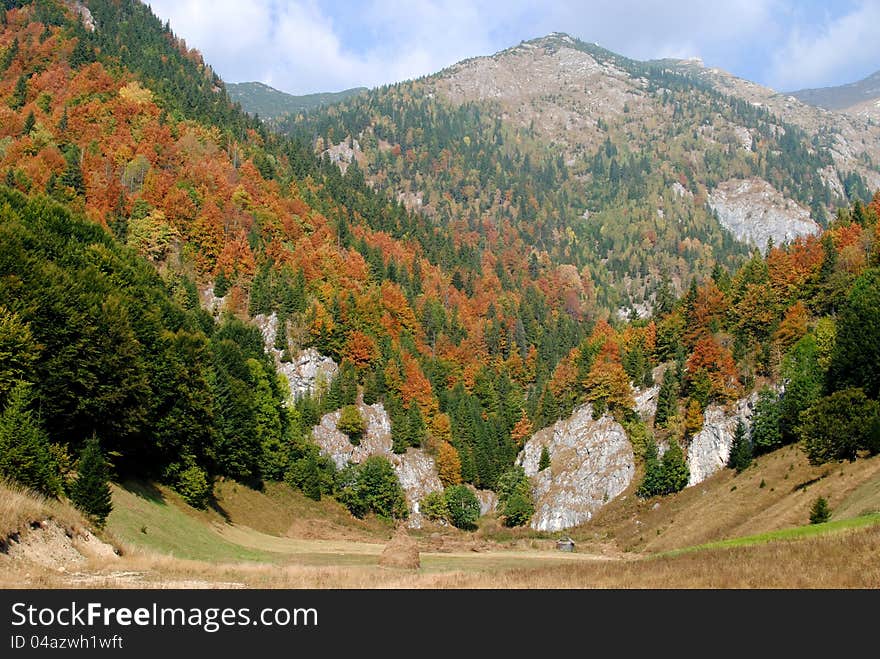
x=194, y=487
x=372, y=486
x=352, y=424
x=820, y=512
x=836, y=427
x=463, y=506
x=433, y=506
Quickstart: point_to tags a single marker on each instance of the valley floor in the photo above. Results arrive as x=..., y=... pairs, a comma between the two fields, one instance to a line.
x=749, y=536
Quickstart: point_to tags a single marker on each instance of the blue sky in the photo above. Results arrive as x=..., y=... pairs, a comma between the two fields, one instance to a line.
x=304, y=46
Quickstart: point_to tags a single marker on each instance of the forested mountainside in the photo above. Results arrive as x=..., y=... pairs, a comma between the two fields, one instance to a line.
x=584, y=158
x=271, y=104
x=134, y=190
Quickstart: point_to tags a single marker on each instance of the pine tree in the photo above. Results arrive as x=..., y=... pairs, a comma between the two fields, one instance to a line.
x=29, y=123
x=667, y=399
x=675, y=469
x=740, y=449
x=820, y=512
x=544, y=461
x=25, y=455
x=653, y=481
x=19, y=96
x=91, y=489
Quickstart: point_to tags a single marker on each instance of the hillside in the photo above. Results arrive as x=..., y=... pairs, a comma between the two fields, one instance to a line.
x=247, y=542
x=257, y=98
x=842, y=97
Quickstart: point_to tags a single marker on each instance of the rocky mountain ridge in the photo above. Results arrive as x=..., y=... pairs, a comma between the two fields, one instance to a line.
x=842, y=97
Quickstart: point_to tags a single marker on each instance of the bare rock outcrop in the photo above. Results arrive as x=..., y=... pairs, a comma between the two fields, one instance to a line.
x=710, y=448
x=591, y=462
x=308, y=372
x=415, y=469
x=754, y=212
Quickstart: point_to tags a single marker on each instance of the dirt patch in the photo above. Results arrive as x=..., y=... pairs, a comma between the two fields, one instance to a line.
x=50, y=545
x=401, y=552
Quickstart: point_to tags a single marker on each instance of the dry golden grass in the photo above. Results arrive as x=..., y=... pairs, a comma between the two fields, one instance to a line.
x=844, y=560
x=730, y=505
x=20, y=507
x=300, y=544
x=282, y=511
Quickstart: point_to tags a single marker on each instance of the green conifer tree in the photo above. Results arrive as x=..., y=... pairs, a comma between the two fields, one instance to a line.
x=675, y=469
x=90, y=491
x=819, y=511
x=544, y=461
x=741, y=449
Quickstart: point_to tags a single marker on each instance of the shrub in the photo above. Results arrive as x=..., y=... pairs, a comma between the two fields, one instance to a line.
x=372, y=486
x=352, y=424
x=463, y=506
x=433, y=506
x=194, y=487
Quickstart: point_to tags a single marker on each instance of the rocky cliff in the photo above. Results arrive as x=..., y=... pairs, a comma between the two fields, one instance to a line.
x=415, y=469
x=710, y=448
x=754, y=212
x=309, y=371
x=591, y=462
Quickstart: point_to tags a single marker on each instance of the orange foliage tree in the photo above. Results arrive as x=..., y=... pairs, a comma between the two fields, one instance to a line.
x=711, y=371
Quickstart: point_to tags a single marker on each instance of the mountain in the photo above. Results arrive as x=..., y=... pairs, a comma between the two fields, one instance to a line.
x=271, y=104
x=627, y=171
x=842, y=97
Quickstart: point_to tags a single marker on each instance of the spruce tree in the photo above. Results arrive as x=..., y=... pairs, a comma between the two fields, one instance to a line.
x=544, y=461
x=675, y=469
x=25, y=455
x=741, y=449
x=667, y=399
x=653, y=481
x=91, y=489
x=820, y=512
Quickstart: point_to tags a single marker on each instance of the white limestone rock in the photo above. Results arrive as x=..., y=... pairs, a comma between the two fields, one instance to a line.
x=754, y=212
x=710, y=448
x=415, y=469
x=591, y=462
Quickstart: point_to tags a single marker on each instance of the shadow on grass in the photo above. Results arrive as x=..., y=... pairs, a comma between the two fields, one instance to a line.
x=214, y=505
x=144, y=490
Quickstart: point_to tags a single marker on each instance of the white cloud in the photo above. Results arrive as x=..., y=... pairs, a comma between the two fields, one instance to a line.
x=842, y=50
x=296, y=47
x=303, y=46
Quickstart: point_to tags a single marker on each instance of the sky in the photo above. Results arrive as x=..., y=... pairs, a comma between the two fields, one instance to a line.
x=306, y=46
